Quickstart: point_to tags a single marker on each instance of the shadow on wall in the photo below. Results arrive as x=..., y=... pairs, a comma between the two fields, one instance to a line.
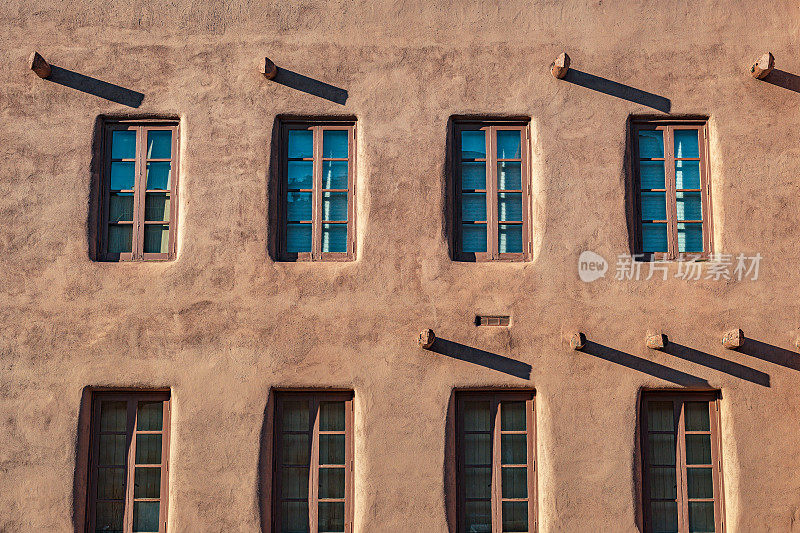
x=81, y=474
x=772, y=354
x=619, y=90
x=311, y=86
x=264, y=481
x=96, y=87
x=481, y=357
x=717, y=363
x=784, y=79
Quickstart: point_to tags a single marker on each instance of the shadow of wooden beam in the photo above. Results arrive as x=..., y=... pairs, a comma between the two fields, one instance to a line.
x=717, y=363
x=784, y=79
x=483, y=358
x=618, y=90
x=311, y=86
x=773, y=354
x=93, y=86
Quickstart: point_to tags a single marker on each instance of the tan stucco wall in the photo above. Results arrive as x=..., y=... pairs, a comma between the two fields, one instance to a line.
x=223, y=324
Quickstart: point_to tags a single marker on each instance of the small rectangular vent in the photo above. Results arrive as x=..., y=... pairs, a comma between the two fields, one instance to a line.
x=492, y=320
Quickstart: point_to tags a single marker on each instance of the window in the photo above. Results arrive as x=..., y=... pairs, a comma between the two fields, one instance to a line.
x=139, y=191
x=313, y=475
x=496, y=462
x=681, y=468
x=129, y=462
x=672, y=190
x=491, y=191
x=318, y=191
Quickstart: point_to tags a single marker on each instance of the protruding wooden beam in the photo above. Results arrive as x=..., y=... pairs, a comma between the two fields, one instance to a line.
x=268, y=68
x=577, y=341
x=39, y=65
x=426, y=338
x=560, y=66
x=733, y=339
x=763, y=66
x=657, y=341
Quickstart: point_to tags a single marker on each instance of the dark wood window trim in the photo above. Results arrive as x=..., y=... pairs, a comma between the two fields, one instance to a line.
x=668, y=127
x=496, y=399
x=141, y=127
x=678, y=400
x=491, y=127
x=318, y=126
x=313, y=431
x=130, y=462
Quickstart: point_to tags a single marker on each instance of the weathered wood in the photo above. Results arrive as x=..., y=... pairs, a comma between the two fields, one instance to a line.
x=560, y=66
x=656, y=342
x=577, y=341
x=763, y=66
x=733, y=339
x=426, y=338
x=268, y=68
x=39, y=65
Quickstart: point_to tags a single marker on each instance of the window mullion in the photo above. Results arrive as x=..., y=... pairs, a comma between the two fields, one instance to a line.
x=316, y=201
x=683, y=506
x=672, y=214
x=313, y=489
x=130, y=461
x=491, y=191
x=497, y=521
x=139, y=187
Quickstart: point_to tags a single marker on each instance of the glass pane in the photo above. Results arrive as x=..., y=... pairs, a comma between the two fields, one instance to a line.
x=687, y=174
x=110, y=483
x=477, y=449
x=698, y=449
x=120, y=207
x=334, y=206
x=120, y=238
x=294, y=482
x=108, y=517
x=296, y=449
x=148, y=449
x=509, y=175
x=660, y=416
x=662, y=448
x=473, y=175
x=663, y=483
x=699, y=483
x=510, y=238
x=478, y=482
x=701, y=517
x=113, y=450
x=696, y=414
x=515, y=482
x=513, y=416
x=334, y=237
x=159, y=144
x=476, y=416
x=122, y=176
x=150, y=416
x=147, y=482
x=113, y=416
x=689, y=206
x=334, y=174
x=509, y=206
x=478, y=516
x=514, y=449
x=123, y=144
x=508, y=145
x=156, y=239
x=473, y=144
x=654, y=206
x=473, y=238
x=331, y=483
x=654, y=238
x=690, y=237
x=651, y=144
x=331, y=416
x=331, y=516
x=473, y=206
x=651, y=174
x=664, y=516
x=331, y=449
x=334, y=143
x=294, y=517
x=158, y=175
x=301, y=143
x=156, y=206
x=300, y=174
x=515, y=516
x=298, y=238
x=298, y=206
x=686, y=144
x=145, y=516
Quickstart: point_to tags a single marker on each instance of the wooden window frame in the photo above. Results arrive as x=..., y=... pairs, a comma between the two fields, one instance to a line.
x=495, y=398
x=132, y=398
x=668, y=127
x=141, y=127
x=314, y=398
x=491, y=127
x=317, y=127
x=678, y=399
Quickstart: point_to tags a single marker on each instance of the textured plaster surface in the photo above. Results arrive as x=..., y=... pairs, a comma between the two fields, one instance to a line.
x=223, y=324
